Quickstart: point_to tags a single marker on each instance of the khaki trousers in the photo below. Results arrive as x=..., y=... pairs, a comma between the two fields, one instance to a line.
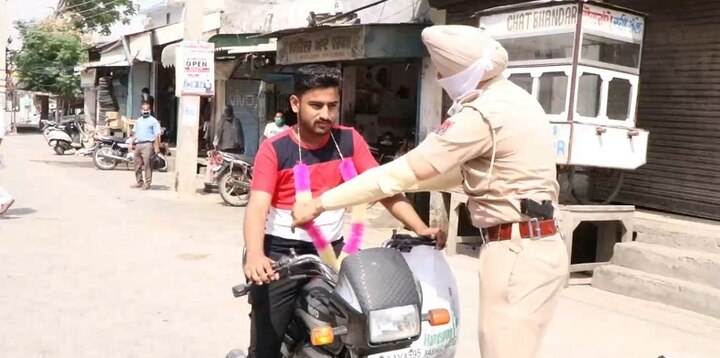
x=141, y=161
x=520, y=283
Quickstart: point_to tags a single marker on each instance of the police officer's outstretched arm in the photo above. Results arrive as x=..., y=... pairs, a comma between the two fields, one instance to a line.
x=433, y=165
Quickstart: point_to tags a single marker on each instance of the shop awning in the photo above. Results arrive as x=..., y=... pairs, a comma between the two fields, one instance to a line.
x=232, y=40
x=174, y=33
x=140, y=47
x=113, y=56
x=167, y=58
x=268, y=47
x=103, y=63
x=168, y=53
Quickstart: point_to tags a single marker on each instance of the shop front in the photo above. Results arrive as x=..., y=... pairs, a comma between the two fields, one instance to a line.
x=676, y=102
x=381, y=66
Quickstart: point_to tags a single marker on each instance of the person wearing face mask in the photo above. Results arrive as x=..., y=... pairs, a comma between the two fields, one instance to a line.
x=230, y=136
x=146, y=143
x=275, y=127
x=498, y=145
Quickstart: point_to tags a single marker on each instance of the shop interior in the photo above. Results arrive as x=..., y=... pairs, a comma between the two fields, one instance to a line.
x=384, y=106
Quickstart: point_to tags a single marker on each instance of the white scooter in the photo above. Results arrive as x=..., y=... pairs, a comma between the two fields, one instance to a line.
x=72, y=136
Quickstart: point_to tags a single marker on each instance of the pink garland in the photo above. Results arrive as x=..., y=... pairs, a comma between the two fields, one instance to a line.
x=301, y=174
x=348, y=171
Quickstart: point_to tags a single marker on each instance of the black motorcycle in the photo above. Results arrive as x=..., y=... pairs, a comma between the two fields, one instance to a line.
x=357, y=312
x=110, y=151
x=232, y=178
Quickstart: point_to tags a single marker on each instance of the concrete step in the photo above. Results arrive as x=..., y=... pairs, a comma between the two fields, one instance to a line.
x=633, y=283
x=678, y=232
x=692, y=266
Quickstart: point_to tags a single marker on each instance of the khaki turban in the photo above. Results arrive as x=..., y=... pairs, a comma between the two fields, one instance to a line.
x=453, y=48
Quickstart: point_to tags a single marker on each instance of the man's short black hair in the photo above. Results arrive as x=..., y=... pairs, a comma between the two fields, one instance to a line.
x=311, y=77
x=145, y=90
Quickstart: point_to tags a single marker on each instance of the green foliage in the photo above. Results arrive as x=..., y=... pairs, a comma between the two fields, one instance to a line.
x=96, y=15
x=48, y=57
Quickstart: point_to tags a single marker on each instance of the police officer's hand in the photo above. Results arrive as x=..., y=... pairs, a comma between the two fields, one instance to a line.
x=258, y=269
x=436, y=234
x=304, y=212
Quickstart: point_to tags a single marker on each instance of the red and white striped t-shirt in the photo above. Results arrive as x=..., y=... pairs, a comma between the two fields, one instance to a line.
x=273, y=174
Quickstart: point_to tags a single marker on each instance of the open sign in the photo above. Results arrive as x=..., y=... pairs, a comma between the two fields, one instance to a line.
x=196, y=63
x=196, y=73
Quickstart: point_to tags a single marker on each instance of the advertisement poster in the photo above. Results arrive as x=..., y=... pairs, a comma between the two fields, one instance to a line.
x=197, y=64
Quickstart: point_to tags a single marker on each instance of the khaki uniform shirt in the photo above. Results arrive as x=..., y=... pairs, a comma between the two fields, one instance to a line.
x=524, y=155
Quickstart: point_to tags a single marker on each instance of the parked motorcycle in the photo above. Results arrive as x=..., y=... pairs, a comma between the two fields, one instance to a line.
x=68, y=134
x=358, y=312
x=233, y=177
x=110, y=151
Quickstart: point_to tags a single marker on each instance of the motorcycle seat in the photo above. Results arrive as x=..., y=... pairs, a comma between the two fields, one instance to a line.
x=106, y=138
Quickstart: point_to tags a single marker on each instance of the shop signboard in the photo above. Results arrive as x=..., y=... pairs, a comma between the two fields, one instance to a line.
x=321, y=46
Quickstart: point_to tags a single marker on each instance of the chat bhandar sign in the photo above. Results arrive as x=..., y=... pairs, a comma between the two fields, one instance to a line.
x=196, y=61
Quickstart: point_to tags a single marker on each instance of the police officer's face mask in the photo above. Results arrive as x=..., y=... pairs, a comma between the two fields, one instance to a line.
x=464, y=83
x=146, y=114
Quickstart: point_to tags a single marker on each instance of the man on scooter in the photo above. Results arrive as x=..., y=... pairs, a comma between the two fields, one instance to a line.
x=319, y=143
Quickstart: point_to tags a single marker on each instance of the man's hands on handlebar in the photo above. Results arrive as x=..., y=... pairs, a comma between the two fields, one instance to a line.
x=436, y=234
x=304, y=212
x=259, y=269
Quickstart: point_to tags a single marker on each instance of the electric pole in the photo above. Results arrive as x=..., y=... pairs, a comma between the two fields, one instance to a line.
x=189, y=112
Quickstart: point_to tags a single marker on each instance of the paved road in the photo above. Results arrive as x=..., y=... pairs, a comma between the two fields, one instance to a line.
x=91, y=268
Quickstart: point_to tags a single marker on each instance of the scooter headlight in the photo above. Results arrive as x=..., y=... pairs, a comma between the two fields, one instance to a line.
x=394, y=324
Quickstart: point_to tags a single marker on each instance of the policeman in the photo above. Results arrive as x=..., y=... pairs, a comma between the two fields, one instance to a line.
x=498, y=145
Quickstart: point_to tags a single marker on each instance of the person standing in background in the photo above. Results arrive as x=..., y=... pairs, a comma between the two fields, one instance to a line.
x=230, y=136
x=146, y=141
x=275, y=127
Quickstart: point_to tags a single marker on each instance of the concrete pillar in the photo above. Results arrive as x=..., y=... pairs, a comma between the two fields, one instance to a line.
x=430, y=117
x=90, y=107
x=189, y=113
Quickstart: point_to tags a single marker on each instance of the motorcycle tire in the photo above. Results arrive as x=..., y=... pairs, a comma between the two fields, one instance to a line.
x=229, y=193
x=102, y=163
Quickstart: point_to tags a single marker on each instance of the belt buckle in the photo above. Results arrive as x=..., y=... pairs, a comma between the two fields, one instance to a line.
x=534, y=228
